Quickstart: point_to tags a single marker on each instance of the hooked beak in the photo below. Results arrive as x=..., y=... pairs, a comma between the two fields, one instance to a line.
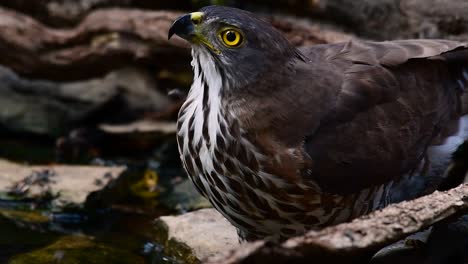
x=184, y=26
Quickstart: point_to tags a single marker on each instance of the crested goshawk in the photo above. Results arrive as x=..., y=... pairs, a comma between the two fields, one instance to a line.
x=282, y=140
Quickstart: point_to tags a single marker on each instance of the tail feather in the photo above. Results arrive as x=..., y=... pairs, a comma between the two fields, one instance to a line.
x=456, y=172
x=464, y=103
x=462, y=82
x=458, y=62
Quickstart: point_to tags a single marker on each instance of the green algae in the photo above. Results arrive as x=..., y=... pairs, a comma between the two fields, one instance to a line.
x=34, y=217
x=77, y=249
x=173, y=248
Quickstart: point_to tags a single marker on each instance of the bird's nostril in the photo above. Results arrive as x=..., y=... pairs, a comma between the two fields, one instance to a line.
x=196, y=21
x=196, y=17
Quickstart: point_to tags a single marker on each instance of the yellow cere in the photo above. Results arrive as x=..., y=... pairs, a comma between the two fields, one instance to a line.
x=196, y=17
x=231, y=38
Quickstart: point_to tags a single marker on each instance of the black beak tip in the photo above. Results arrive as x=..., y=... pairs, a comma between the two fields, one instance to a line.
x=183, y=26
x=170, y=34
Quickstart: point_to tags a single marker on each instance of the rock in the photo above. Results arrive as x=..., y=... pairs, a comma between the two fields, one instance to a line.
x=136, y=139
x=34, y=150
x=184, y=197
x=63, y=13
x=195, y=236
x=408, y=250
x=52, y=108
x=139, y=136
x=78, y=249
x=137, y=185
x=445, y=242
x=16, y=239
x=141, y=126
x=107, y=39
x=25, y=216
x=448, y=242
x=70, y=184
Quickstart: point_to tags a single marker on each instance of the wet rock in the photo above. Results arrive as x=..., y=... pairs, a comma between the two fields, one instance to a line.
x=141, y=126
x=25, y=216
x=448, y=242
x=195, y=236
x=138, y=186
x=52, y=108
x=67, y=185
x=184, y=197
x=16, y=239
x=78, y=249
x=34, y=150
x=137, y=139
x=61, y=13
x=408, y=250
x=445, y=242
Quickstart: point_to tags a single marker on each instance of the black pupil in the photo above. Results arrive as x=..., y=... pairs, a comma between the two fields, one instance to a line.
x=231, y=36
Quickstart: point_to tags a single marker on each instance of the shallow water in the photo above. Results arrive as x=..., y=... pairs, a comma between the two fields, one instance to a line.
x=33, y=232
x=26, y=230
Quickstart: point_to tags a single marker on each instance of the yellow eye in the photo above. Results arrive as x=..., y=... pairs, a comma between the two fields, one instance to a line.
x=231, y=38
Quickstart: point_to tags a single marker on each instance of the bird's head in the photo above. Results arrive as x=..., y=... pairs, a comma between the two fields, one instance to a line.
x=239, y=43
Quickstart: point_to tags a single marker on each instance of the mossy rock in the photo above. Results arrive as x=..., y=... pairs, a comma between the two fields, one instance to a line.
x=77, y=249
x=172, y=247
x=23, y=216
x=184, y=197
x=20, y=237
x=195, y=236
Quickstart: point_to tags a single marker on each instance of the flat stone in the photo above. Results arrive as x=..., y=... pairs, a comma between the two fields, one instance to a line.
x=196, y=236
x=71, y=184
x=141, y=126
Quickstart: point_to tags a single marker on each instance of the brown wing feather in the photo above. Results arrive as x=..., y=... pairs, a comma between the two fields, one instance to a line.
x=355, y=115
x=394, y=99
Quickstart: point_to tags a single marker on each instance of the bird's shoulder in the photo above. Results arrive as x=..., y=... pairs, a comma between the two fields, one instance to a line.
x=386, y=53
x=353, y=110
x=367, y=74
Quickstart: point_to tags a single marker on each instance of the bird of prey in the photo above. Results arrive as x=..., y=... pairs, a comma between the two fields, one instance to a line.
x=282, y=139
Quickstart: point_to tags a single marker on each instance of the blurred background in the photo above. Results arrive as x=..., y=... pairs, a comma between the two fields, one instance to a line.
x=89, y=94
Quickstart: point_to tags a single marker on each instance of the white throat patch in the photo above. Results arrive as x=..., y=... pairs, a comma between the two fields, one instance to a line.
x=204, y=95
x=206, y=80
